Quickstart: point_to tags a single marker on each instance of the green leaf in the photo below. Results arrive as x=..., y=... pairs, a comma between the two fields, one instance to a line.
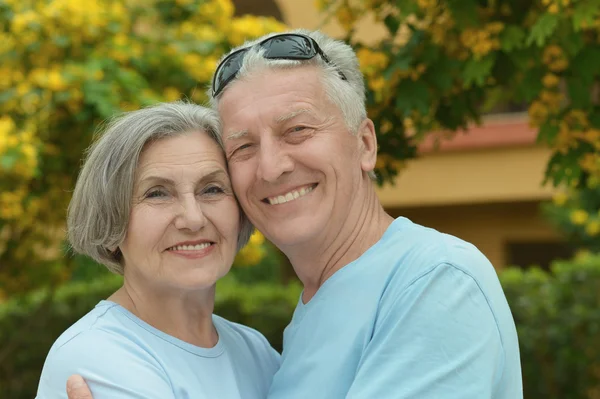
x=413, y=95
x=392, y=24
x=407, y=7
x=543, y=29
x=476, y=71
x=511, y=38
x=579, y=92
x=547, y=133
x=62, y=41
x=585, y=64
x=8, y=160
x=584, y=14
x=464, y=12
x=441, y=74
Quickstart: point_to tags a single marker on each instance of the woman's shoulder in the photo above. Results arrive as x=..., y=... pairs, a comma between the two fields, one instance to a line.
x=107, y=352
x=101, y=328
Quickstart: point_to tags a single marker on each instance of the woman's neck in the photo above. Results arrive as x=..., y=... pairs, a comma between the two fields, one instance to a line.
x=187, y=317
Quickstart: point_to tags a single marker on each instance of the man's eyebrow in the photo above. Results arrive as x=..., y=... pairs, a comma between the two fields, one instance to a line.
x=291, y=115
x=236, y=134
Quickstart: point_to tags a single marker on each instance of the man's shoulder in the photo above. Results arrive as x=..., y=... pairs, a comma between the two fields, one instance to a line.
x=409, y=250
x=406, y=241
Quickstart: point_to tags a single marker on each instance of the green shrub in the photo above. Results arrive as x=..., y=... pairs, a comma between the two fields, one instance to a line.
x=30, y=324
x=557, y=316
x=558, y=320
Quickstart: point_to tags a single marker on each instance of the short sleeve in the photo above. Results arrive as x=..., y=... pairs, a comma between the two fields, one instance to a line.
x=435, y=339
x=113, y=366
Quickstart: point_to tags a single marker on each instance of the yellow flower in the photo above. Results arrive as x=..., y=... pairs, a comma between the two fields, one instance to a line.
x=553, y=8
x=372, y=62
x=377, y=84
x=257, y=238
x=171, y=94
x=593, y=228
x=579, y=217
x=538, y=112
x=560, y=198
x=550, y=80
x=345, y=17
x=55, y=81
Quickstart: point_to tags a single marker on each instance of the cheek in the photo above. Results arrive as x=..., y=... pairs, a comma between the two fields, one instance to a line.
x=226, y=218
x=240, y=175
x=147, y=225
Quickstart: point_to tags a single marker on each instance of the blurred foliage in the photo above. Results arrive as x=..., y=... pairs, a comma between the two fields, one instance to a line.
x=443, y=63
x=67, y=65
x=29, y=324
x=557, y=315
x=576, y=212
x=558, y=320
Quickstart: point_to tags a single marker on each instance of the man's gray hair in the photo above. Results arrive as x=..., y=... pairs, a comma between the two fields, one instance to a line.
x=348, y=95
x=98, y=214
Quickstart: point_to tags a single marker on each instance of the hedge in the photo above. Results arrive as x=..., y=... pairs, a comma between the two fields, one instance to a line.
x=557, y=315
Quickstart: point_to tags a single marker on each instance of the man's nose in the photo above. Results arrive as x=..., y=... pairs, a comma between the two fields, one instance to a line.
x=274, y=161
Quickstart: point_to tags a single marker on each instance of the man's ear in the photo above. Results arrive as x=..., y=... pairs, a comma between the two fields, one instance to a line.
x=368, y=140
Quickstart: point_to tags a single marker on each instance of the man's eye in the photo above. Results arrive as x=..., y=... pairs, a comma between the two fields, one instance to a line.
x=240, y=149
x=243, y=147
x=214, y=190
x=297, y=129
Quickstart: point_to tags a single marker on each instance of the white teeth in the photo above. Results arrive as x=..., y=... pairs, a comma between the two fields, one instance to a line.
x=197, y=247
x=292, y=195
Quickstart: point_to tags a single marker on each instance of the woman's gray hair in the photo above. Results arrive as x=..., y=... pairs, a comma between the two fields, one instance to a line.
x=348, y=95
x=98, y=214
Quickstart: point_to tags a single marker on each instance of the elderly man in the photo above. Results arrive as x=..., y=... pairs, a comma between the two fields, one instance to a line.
x=390, y=309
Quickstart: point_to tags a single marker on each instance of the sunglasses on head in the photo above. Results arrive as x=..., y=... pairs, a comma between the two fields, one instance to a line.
x=286, y=46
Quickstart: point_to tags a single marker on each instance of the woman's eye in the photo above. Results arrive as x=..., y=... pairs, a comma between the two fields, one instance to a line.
x=156, y=194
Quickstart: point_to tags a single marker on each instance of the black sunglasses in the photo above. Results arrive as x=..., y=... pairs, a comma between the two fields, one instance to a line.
x=286, y=46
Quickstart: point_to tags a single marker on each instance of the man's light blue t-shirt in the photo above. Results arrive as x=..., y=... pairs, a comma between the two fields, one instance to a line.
x=122, y=357
x=420, y=315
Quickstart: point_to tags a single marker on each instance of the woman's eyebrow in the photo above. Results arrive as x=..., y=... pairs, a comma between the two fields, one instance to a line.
x=217, y=174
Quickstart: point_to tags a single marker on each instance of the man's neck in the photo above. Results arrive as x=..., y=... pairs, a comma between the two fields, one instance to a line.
x=317, y=261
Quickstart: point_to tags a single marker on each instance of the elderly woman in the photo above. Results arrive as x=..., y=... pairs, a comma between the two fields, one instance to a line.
x=154, y=203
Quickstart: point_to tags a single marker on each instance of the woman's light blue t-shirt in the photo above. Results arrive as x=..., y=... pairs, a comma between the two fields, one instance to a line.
x=121, y=356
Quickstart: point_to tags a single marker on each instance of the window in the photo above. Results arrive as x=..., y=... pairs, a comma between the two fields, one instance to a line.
x=540, y=253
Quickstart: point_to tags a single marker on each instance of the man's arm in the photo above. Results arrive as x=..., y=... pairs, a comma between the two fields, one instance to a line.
x=437, y=338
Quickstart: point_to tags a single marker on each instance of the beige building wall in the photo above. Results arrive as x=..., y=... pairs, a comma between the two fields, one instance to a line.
x=490, y=227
